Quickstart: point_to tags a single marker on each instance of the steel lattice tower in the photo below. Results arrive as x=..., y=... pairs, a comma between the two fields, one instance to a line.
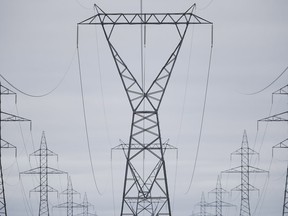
x=245, y=169
x=43, y=171
x=145, y=191
x=219, y=203
x=203, y=206
x=85, y=207
x=69, y=205
x=281, y=117
x=5, y=117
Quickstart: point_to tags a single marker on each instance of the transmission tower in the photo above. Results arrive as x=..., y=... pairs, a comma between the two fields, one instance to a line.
x=43, y=171
x=219, y=203
x=245, y=169
x=281, y=117
x=5, y=117
x=203, y=206
x=85, y=207
x=145, y=190
x=69, y=205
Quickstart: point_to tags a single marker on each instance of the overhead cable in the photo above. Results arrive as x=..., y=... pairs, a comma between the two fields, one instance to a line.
x=44, y=94
x=203, y=113
x=263, y=89
x=85, y=122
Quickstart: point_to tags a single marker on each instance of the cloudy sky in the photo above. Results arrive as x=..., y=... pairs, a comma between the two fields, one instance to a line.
x=38, y=51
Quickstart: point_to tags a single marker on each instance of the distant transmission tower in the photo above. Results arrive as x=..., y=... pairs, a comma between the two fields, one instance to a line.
x=281, y=117
x=69, y=205
x=219, y=203
x=5, y=117
x=85, y=207
x=245, y=169
x=203, y=207
x=145, y=189
x=43, y=171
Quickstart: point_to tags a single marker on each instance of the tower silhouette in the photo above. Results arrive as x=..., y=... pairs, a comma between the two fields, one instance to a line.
x=219, y=203
x=203, y=207
x=85, y=207
x=43, y=171
x=69, y=205
x=5, y=117
x=245, y=169
x=145, y=190
x=281, y=117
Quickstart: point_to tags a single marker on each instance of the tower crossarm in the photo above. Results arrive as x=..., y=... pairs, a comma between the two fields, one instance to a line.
x=283, y=144
x=7, y=117
x=280, y=117
x=39, y=189
x=256, y=170
x=242, y=151
x=102, y=18
x=39, y=153
x=7, y=145
x=5, y=91
x=65, y=205
x=249, y=187
x=233, y=170
x=38, y=170
x=249, y=169
x=282, y=91
x=222, y=203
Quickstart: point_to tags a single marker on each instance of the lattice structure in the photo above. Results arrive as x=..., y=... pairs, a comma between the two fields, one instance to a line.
x=5, y=117
x=43, y=171
x=245, y=170
x=69, y=205
x=203, y=207
x=219, y=204
x=145, y=190
x=281, y=117
x=85, y=207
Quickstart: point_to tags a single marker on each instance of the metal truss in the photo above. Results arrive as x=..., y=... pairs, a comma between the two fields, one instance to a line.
x=85, y=207
x=69, y=205
x=6, y=117
x=219, y=203
x=281, y=117
x=245, y=170
x=281, y=91
x=43, y=171
x=145, y=189
x=203, y=207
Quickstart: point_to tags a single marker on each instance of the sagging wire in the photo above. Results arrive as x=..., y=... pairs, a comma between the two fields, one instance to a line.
x=44, y=94
x=266, y=87
x=105, y=117
x=182, y=113
x=203, y=113
x=85, y=120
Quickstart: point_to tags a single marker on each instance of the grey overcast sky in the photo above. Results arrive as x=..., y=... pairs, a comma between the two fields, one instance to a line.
x=38, y=49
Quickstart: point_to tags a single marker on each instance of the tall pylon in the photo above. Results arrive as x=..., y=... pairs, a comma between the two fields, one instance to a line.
x=219, y=203
x=145, y=190
x=69, y=205
x=281, y=117
x=6, y=117
x=43, y=171
x=245, y=169
x=85, y=207
x=203, y=207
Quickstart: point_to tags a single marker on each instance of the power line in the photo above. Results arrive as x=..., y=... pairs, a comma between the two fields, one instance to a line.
x=203, y=112
x=85, y=122
x=45, y=94
x=263, y=89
